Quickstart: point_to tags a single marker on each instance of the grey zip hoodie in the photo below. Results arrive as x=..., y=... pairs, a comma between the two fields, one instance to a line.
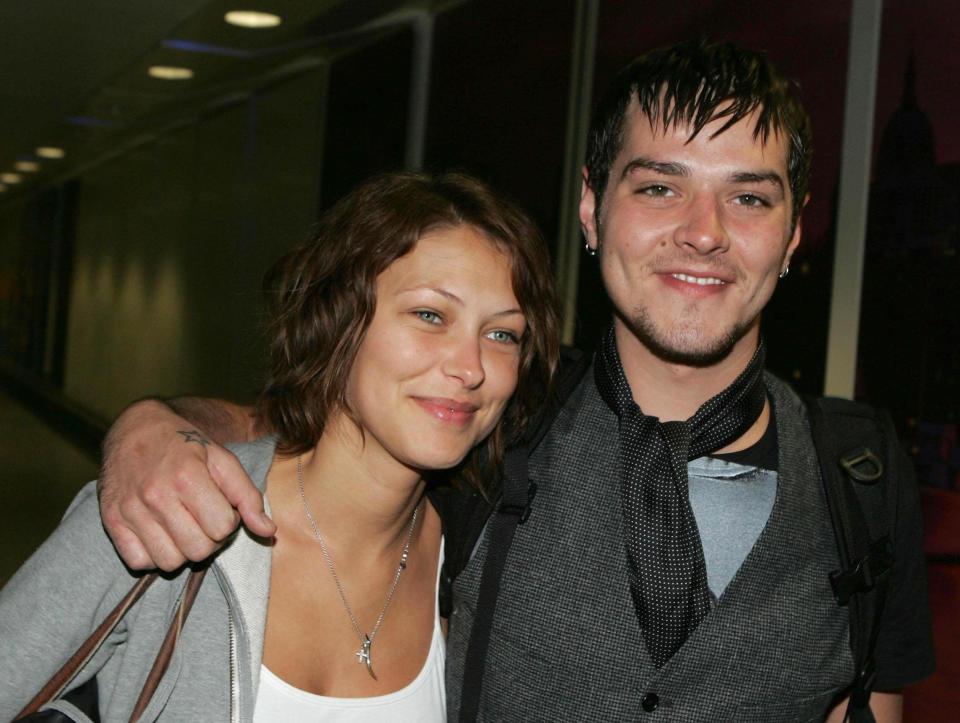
x=60, y=595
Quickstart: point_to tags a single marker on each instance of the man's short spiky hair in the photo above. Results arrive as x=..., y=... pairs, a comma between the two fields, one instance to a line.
x=691, y=84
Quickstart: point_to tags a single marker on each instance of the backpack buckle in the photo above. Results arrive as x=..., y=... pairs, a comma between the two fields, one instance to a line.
x=521, y=511
x=860, y=694
x=864, y=573
x=863, y=465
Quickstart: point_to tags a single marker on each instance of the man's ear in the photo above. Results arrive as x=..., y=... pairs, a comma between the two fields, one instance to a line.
x=588, y=207
x=797, y=233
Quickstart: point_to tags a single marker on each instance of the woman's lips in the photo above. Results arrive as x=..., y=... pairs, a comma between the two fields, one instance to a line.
x=448, y=410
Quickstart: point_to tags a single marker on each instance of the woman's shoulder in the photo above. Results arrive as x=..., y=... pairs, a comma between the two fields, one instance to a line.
x=78, y=543
x=256, y=458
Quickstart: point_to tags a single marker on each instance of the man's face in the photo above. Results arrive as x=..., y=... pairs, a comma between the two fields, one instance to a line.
x=692, y=236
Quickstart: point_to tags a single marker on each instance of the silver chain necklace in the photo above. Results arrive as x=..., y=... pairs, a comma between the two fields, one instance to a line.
x=363, y=655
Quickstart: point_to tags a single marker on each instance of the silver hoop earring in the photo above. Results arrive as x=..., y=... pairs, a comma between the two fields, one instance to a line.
x=589, y=249
x=785, y=273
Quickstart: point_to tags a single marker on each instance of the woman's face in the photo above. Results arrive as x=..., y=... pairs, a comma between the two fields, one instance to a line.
x=439, y=360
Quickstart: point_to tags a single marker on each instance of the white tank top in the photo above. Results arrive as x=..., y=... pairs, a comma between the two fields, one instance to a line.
x=424, y=699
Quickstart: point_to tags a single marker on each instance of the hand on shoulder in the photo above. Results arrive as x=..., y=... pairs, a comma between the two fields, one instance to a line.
x=168, y=493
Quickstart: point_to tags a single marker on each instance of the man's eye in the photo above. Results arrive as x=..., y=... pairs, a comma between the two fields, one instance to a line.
x=503, y=336
x=431, y=317
x=748, y=199
x=657, y=191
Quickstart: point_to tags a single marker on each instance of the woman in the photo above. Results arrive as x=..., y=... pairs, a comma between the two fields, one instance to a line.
x=399, y=334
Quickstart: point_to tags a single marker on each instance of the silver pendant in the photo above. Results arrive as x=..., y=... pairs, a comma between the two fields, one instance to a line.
x=363, y=656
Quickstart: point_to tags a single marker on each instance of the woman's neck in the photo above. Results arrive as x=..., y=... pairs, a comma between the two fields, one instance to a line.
x=362, y=501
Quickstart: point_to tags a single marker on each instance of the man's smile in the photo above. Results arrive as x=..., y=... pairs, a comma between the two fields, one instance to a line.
x=699, y=280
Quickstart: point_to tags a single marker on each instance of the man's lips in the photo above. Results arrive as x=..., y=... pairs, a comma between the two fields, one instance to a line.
x=699, y=280
x=448, y=410
x=695, y=283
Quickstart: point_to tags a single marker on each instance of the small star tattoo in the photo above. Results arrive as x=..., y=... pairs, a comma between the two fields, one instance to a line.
x=192, y=435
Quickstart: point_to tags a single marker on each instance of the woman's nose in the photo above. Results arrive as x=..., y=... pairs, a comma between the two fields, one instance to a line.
x=465, y=363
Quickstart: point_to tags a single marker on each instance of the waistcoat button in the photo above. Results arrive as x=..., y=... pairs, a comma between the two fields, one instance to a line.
x=650, y=702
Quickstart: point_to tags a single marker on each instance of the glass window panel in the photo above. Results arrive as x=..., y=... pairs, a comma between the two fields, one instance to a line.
x=908, y=358
x=498, y=100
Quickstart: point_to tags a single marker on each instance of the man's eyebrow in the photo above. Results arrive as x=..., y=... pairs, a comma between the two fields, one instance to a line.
x=665, y=168
x=754, y=177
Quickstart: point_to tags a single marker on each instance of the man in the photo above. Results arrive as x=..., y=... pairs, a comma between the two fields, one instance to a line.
x=721, y=608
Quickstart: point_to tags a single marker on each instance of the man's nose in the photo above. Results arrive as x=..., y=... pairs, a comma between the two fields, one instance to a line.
x=701, y=229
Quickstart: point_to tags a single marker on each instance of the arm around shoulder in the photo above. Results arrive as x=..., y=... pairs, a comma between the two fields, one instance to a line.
x=170, y=493
x=219, y=420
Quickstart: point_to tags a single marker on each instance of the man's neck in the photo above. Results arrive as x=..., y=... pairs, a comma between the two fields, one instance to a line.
x=674, y=392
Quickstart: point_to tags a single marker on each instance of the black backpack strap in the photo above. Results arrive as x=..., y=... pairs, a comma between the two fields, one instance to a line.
x=463, y=515
x=854, y=448
x=512, y=511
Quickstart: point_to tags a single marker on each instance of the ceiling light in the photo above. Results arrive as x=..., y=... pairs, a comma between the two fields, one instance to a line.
x=252, y=19
x=27, y=166
x=10, y=178
x=170, y=72
x=50, y=152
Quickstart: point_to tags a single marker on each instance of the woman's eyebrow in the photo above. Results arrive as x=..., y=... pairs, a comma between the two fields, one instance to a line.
x=440, y=291
x=453, y=297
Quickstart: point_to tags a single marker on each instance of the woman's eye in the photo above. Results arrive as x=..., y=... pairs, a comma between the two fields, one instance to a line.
x=431, y=317
x=503, y=336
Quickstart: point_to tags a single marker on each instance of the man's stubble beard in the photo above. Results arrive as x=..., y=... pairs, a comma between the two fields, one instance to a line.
x=680, y=351
x=659, y=344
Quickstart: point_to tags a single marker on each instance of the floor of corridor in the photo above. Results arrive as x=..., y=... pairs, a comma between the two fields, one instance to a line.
x=40, y=472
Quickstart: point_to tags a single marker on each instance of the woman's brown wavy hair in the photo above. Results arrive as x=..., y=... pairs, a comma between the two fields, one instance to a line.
x=322, y=296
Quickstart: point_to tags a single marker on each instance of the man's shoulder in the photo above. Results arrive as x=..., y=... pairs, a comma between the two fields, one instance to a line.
x=783, y=391
x=837, y=416
x=572, y=371
x=780, y=391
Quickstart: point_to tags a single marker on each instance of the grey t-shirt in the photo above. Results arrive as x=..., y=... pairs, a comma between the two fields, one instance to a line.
x=732, y=496
x=731, y=503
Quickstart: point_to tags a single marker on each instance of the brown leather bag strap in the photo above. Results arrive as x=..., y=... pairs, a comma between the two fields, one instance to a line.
x=169, y=643
x=86, y=651
x=62, y=677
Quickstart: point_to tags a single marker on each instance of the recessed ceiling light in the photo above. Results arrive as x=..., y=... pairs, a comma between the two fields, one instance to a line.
x=170, y=72
x=10, y=178
x=27, y=166
x=50, y=152
x=252, y=19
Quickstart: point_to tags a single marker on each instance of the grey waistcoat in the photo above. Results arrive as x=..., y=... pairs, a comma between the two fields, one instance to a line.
x=565, y=643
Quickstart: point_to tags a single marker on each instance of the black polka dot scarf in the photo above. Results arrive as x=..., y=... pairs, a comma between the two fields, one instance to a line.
x=668, y=576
